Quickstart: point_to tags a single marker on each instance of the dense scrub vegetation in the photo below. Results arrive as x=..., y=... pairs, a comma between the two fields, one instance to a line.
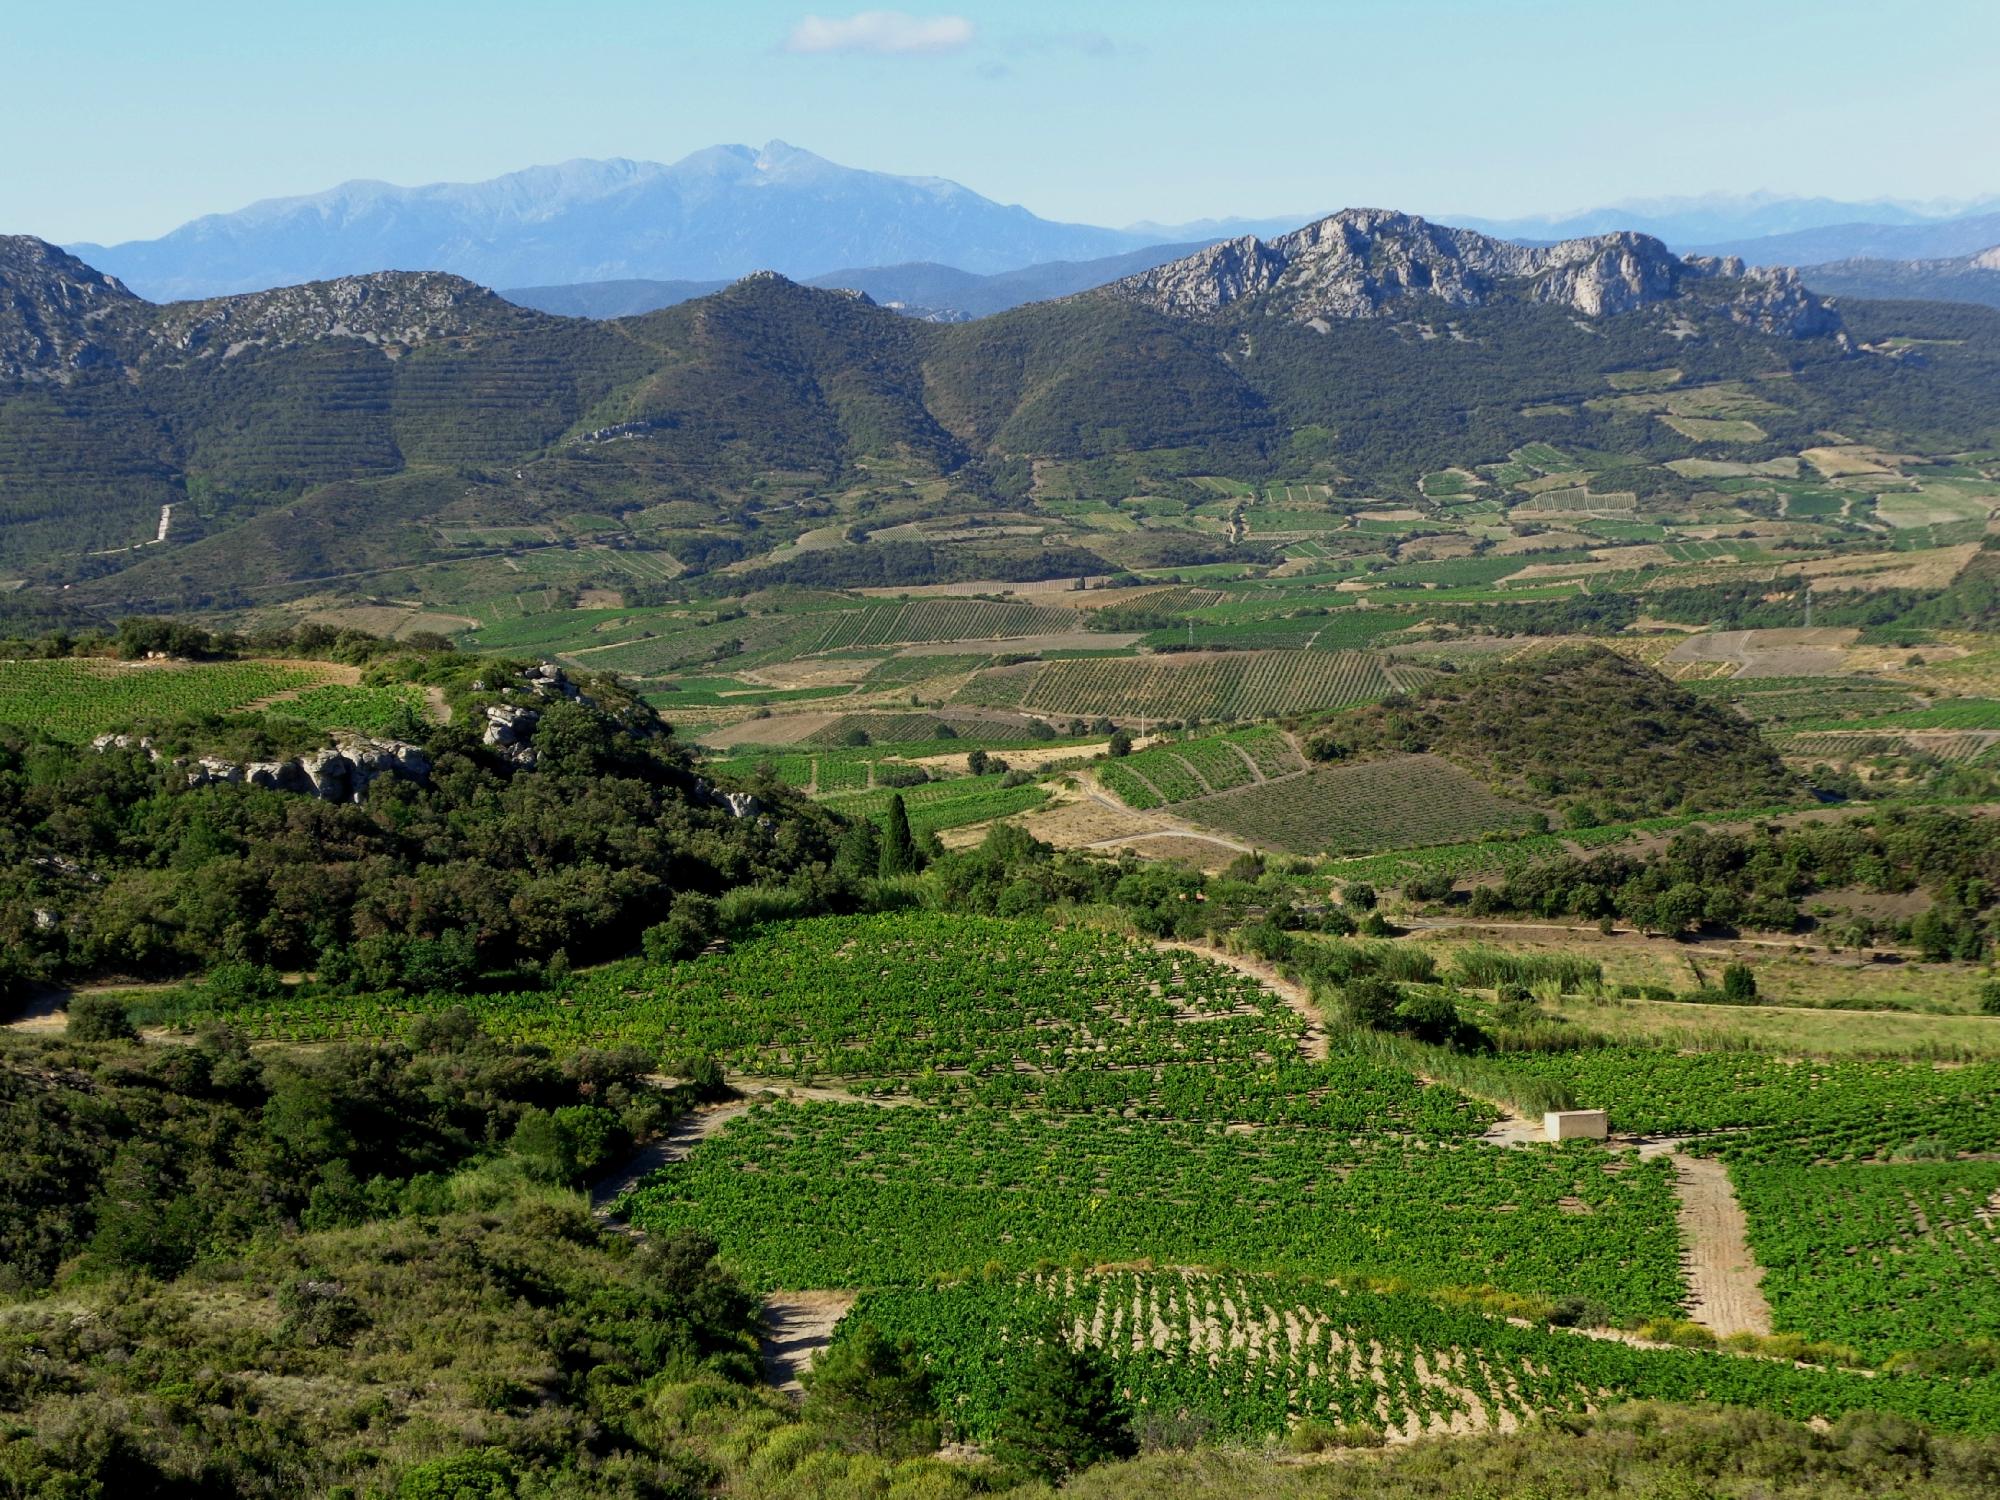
x=113, y=862
x=125, y=1159
x=1580, y=728
x=1764, y=876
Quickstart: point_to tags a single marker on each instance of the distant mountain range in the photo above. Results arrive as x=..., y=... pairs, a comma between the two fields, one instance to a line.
x=1818, y=247
x=713, y=215
x=220, y=452
x=1960, y=278
x=921, y=289
x=720, y=213
x=1724, y=223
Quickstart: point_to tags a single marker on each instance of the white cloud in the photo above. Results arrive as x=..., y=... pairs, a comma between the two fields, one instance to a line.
x=885, y=33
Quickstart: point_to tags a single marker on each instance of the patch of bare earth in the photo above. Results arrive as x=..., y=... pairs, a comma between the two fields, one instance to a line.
x=797, y=1326
x=1725, y=1291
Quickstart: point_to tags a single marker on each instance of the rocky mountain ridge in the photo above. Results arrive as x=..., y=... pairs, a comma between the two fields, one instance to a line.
x=1961, y=278
x=57, y=315
x=60, y=317
x=386, y=308
x=1366, y=263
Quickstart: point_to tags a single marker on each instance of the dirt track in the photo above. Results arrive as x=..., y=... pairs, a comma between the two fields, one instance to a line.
x=1724, y=1291
x=797, y=1326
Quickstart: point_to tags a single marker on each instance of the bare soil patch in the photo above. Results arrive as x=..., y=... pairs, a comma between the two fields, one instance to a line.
x=797, y=1326
x=1725, y=1291
x=1818, y=652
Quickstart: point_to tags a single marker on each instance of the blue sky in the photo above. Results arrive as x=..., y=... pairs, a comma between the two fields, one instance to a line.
x=127, y=118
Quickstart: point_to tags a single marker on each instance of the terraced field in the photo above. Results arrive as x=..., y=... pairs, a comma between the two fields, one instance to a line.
x=1403, y=802
x=1252, y=1355
x=937, y=620
x=1235, y=685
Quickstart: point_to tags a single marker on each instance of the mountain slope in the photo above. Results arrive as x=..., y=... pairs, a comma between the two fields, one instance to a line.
x=1363, y=263
x=1814, y=247
x=1964, y=278
x=716, y=214
x=314, y=437
x=923, y=289
x=59, y=316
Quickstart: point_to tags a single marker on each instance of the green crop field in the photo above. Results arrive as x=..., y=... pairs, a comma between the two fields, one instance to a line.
x=1251, y=1355
x=842, y=1195
x=938, y=805
x=1409, y=800
x=937, y=620
x=1235, y=685
x=397, y=709
x=1187, y=769
x=74, y=699
x=1879, y=1256
x=1779, y=1111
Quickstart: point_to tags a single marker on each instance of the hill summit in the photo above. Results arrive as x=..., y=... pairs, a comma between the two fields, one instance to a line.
x=1365, y=262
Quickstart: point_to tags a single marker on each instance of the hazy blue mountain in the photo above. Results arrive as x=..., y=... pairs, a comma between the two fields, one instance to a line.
x=1817, y=247
x=1207, y=231
x=1688, y=223
x=609, y=299
x=1961, y=278
x=922, y=289
x=714, y=215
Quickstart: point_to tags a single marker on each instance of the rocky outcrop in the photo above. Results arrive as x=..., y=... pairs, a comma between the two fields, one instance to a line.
x=57, y=316
x=340, y=772
x=394, y=309
x=736, y=804
x=1366, y=263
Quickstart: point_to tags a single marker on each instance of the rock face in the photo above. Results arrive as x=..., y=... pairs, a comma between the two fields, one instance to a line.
x=57, y=315
x=341, y=772
x=1367, y=262
x=398, y=309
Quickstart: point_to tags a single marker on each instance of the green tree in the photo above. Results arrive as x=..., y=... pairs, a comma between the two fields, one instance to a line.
x=1061, y=1414
x=1371, y=1002
x=689, y=926
x=99, y=1018
x=975, y=763
x=1121, y=744
x=486, y=1475
x=874, y=1395
x=1739, y=984
x=899, y=845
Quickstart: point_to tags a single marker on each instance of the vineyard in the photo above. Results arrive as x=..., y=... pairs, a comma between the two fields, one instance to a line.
x=1187, y=769
x=76, y=698
x=951, y=1008
x=1372, y=805
x=1233, y=685
x=1882, y=1257
x=938, y=805
x=397, y=709
x=1251, y=1355
x=1778, y=1111
x=833, y=1195
x=938, y=620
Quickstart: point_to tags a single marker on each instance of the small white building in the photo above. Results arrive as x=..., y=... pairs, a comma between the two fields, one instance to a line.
x=1576, y=1124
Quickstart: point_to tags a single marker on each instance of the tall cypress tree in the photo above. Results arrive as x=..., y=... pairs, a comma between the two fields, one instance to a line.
x=899, y=845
